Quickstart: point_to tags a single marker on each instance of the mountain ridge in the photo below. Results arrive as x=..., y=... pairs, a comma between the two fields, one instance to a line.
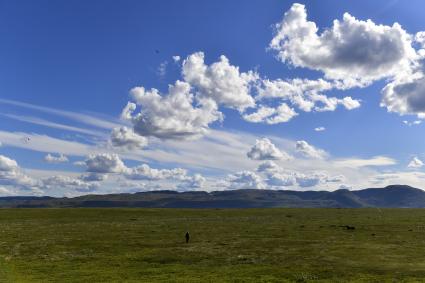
x=393, y=196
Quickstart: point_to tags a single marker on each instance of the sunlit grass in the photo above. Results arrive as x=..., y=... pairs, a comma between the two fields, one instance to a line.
x=246, y=245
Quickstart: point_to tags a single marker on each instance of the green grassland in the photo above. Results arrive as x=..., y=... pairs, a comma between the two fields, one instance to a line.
x=240, y=245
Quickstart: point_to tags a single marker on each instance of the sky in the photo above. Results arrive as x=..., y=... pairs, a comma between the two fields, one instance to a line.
x=124, y=96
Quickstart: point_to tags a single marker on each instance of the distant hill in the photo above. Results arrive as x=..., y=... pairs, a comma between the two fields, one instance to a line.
x=390, y=196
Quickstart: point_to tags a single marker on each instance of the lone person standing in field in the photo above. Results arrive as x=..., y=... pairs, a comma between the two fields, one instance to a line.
x=187, y=236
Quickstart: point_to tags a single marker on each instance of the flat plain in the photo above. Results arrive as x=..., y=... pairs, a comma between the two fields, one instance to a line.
x=226, y=245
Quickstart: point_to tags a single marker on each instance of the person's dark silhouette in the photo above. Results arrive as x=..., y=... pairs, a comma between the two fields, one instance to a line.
x=187, y=236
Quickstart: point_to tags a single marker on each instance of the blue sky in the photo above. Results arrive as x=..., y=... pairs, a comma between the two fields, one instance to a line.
x=69, y=68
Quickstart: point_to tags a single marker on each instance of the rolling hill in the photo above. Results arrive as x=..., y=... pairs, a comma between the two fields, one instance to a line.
x=400, y=196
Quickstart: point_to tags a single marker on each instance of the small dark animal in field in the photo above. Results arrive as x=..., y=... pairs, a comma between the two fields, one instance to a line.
x=187, y=236
x=348, y=227
x=373, y=234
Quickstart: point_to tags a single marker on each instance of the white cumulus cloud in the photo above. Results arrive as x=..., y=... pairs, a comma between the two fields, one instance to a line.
x=420, y=38
x=145, y=172
x=269, y=115
x=415, y=163
x=307, y=95
x=351, y=49
x=105, y=163
x=69, y=183
x=12, y=175
x=174, y=115
x=220, y=81
x=309, y=151
x=176, y=58
x=124, y=137
x=264, y=149
x=196, y=181
x=276, y=176
x=245, y=180
x=7, y=164
x=406, y=94
x=60, y=158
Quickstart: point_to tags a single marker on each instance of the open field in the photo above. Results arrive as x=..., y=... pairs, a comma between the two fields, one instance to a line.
x=246, y=245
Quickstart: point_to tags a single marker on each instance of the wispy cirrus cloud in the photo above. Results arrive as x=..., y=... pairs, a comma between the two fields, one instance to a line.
x=103, y=123
x=363, y=162
x=55, y=125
